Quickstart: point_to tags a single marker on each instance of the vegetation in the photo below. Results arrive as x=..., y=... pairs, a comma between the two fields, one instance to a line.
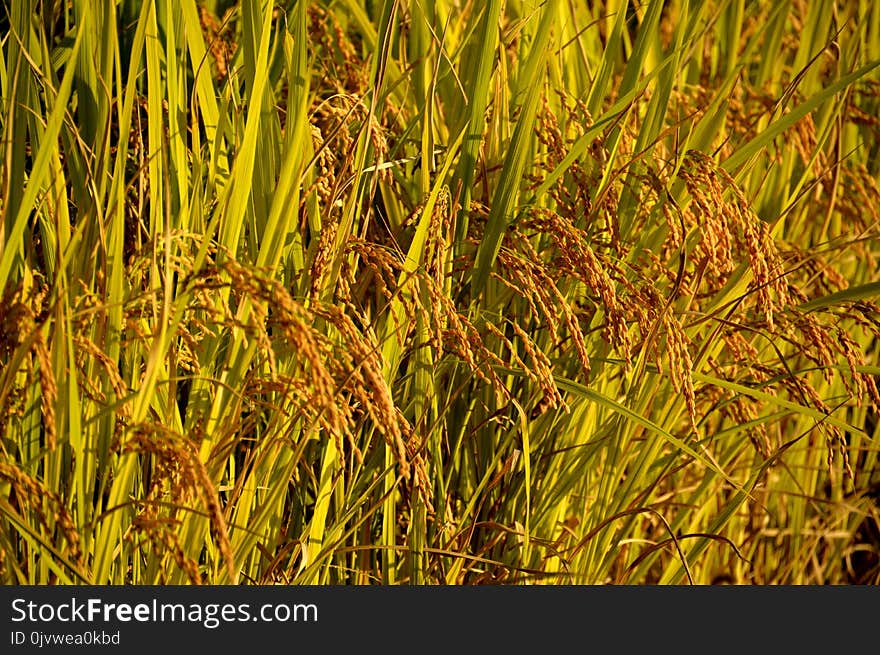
x=439, y=292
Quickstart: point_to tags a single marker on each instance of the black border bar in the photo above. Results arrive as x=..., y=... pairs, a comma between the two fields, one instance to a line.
x=482, y=620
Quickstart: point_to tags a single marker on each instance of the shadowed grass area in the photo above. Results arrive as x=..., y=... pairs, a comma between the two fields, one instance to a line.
x=439, y=292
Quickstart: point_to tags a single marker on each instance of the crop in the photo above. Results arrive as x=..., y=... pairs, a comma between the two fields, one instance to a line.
x=439, y=292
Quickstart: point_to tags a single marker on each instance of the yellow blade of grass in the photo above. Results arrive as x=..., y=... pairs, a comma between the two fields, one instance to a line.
x=318, y=523
x=477, y=82
x=585, y=392
x=869, y=291
x=765, y=139
x=204, y=83
x=40, y=168
x=504, y=198
x=751, y=392
x=611, y=54
x=236, y=199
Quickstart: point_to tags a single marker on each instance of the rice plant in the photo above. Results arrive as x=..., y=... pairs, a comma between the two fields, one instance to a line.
x=439, y=292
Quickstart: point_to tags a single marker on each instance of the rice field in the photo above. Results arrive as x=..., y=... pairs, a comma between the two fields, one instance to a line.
x=439, y=292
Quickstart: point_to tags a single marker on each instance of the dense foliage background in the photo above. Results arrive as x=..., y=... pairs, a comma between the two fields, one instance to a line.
x=439, y=291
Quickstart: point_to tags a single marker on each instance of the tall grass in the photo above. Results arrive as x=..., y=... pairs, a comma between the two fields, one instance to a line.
x=439, y=292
